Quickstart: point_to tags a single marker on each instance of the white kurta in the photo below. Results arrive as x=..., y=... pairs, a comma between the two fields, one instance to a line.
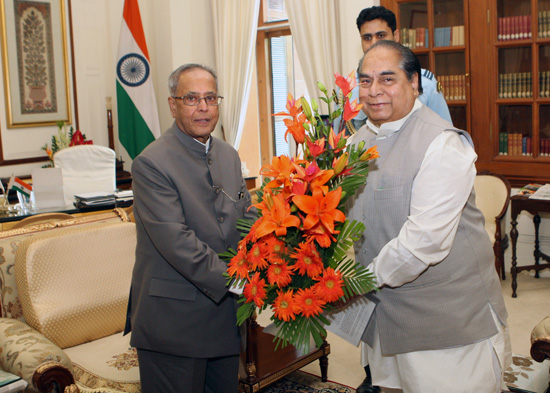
x=440, y=192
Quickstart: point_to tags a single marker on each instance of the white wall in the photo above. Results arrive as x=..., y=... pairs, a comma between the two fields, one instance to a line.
x=176, y=31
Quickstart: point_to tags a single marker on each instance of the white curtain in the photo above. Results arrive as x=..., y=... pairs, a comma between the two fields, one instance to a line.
x=235, y=26
x=315, y=27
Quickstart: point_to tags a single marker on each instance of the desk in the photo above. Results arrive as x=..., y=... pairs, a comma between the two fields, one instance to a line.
x=261, y=364
x=7, y=217
x=533, y=206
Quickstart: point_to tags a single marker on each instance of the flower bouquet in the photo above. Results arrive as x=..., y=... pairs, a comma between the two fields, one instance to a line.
x=64, y=139
x=294, y=257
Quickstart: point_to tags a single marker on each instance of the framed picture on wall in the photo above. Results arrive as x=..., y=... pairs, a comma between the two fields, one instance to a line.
x=35, y=62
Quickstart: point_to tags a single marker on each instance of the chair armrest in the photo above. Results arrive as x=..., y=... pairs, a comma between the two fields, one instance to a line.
x=540, y=340
x=24, y=351
x=50, y=375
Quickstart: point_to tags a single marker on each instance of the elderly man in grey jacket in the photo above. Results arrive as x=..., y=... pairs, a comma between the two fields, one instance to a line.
x=188, y=195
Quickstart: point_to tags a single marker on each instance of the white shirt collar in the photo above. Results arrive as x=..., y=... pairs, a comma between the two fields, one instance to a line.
x=206, y=145
x=391, y=127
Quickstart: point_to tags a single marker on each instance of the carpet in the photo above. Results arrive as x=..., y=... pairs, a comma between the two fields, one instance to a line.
x=301, y=382
x=527, y=376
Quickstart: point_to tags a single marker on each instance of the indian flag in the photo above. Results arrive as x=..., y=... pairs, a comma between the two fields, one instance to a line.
x=138, y=120
x=19, y=185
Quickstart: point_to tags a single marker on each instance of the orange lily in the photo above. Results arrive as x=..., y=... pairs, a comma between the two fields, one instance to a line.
x=317, y=147
x=351, y=109
x=370, y=154
x=321, y=235
x=277, y=219
x=296, y=125
x=280, y=170
x=320, y=208
x=313, y=175
x=340, y=164
x=346, y=84
x=337, y=142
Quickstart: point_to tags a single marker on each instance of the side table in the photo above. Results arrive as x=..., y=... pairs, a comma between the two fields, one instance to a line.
x=533, y=206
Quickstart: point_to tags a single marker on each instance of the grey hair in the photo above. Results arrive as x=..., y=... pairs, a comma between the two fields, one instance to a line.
x=174, y=79
x=409, y=61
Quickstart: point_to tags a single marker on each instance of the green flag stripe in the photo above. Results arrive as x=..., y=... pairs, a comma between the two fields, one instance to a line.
x=133, y=132
x=22, y=190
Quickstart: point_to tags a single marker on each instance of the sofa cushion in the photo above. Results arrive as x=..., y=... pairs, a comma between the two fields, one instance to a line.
x=10, y=241
x=108, y=363
x=74, y=283
x=23, y=348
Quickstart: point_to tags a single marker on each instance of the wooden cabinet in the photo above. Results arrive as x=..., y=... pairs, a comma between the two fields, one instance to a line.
x=502, y=63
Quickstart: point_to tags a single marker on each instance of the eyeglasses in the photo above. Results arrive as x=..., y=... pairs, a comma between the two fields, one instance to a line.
x=194, y=100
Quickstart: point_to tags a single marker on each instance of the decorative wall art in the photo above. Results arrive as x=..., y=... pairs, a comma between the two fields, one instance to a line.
x=35, y=65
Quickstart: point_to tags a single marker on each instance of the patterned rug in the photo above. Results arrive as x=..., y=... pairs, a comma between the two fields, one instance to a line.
x=301, y=382
x=527, y=376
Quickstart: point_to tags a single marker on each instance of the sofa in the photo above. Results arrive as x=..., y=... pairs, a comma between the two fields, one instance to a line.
x=64, y=291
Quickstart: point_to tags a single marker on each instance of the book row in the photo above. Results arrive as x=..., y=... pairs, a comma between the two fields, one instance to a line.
x=415, y=38
x=515, y=85
x=453, y=87
x=514, y=28
x=544, y=83
x=517, y=144
x=449, y=36
x=544, y=24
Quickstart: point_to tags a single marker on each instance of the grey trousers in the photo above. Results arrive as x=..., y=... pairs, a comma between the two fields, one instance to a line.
x=163, y=373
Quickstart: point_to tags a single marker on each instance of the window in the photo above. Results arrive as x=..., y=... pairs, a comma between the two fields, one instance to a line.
x=279, y=73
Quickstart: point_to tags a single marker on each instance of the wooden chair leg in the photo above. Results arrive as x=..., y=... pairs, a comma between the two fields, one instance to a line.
x=323, y=361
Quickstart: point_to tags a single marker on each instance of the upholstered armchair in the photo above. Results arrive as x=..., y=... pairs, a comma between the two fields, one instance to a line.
x=492, y=198
x=64, y=292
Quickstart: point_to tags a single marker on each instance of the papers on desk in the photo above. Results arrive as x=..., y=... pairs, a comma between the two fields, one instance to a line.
x=543, y=192
x=350, y=322
x=124, y=196
x=11, y=383
x=94, y=199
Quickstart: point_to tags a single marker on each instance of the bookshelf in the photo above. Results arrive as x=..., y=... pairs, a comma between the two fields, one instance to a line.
x=495, y=76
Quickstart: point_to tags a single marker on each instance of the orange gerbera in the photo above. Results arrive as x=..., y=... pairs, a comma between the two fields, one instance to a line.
x=279, y=274
x=320, y=208
x=277, y=219
x=276, y=248
x=255, y=291
x=257, y=256
x=308, y=260
x=329, y=287
x=285, y=306
x=310, y=305
x=238, y=265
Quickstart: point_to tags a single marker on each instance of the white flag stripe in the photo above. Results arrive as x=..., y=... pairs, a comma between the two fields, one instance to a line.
x=141, y=100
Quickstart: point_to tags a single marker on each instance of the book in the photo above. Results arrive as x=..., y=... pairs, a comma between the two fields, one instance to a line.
x=11, y=383
x=529, y=189
x=543, y=192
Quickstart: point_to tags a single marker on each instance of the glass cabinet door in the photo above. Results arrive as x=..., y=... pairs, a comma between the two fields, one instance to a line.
x=413, y=24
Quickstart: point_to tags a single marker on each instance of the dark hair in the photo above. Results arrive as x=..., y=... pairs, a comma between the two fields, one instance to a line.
x=377, y=12
x=409, y=61
x=174, y=78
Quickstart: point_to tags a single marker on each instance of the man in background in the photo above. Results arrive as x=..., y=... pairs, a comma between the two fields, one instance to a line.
x=378, y=23
x=188, y=195
x=439, y=320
